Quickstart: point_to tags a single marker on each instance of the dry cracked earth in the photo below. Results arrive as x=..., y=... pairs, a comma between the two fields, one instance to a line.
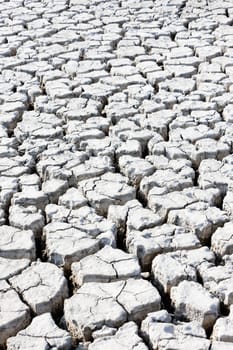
x=116, y=174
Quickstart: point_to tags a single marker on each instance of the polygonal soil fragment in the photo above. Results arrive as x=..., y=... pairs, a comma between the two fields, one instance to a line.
x=126, y=337
x=54, y=188
x=170, y=269
x=41, y=334
x=148, y=243
x=72, y=199
x=112, y=304
x=84, y=234
x=223, y=328
x=14, y=314
x=16, y=243
x=16, y=166
x=59, y=161
x=161, y=334
x=119, y=213
x=227, y=204
x=66, y=244
x=9, y=186
x=42, y=292
x=30, y=197
x=132, y=216
x=201, y=135
x=183, y=85
x=84, y=218
x=200, y=217
x=141, y=219
x=135, y=168
x=216, y=174
x=80, y=109
x=162, y=204
x=167, y=180
x=159, y=121
x=106, y=265
x=108, y=189
x=222, y=240
x=206, y=148
x=219, y=281
x=27, y=218
x=32, y=182
x=45, y=126
x=91, y=168
x=11, y=267
x=193, y=302
x=104, y=147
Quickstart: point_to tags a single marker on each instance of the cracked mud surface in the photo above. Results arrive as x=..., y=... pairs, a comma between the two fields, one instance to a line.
x=116, y=174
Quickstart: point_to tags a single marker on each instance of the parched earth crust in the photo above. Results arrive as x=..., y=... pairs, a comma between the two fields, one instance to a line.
x=116, y=175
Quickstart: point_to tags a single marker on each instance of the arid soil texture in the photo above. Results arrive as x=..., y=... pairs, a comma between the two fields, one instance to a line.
x=116, y=174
